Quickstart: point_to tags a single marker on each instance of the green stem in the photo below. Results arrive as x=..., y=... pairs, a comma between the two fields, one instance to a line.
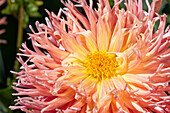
x=19, y=37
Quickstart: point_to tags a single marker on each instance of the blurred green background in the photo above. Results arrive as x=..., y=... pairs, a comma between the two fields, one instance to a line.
x=33, y=10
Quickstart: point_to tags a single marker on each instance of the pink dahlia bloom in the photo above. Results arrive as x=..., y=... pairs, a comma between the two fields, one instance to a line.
x=109, y=61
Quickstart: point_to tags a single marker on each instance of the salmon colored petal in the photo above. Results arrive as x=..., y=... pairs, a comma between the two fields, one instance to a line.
x=90, y=41
x=116, y=41
x=110, y=60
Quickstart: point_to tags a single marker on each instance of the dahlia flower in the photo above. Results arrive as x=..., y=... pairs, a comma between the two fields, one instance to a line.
x=109, y=60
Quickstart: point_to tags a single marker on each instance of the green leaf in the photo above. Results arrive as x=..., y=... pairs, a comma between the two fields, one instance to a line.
x=35, y=14
x=168, y=19
x=25, y=19
x=26, y=1
x=6, y=99
x=10, y=9
x=39, y=3
x=29, y=1
x=5, y=96
x=31, y=8
x=111, y=2
x=3, y=109
x=19, y=2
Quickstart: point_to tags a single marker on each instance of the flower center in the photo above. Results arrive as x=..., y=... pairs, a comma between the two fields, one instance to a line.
x=101, y=65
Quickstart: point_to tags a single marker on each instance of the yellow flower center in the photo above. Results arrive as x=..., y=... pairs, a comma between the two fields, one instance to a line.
x=101, y=65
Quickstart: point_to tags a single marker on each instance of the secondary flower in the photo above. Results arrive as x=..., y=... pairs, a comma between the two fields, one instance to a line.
x=2, y=21
x=107, y=61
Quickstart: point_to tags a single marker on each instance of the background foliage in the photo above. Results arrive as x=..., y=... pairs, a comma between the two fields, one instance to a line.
x=31, y=13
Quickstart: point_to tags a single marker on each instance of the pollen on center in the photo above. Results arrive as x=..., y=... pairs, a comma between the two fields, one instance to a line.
x=101, y=65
